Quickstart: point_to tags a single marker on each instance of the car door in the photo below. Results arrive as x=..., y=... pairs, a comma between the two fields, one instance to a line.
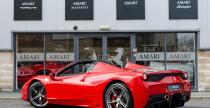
x=68, y=84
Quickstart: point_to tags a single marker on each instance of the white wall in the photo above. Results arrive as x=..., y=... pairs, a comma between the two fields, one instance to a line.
x=6, y=71
x=157, y=19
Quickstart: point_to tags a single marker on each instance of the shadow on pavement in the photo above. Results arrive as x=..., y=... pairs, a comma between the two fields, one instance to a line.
x=60, y=106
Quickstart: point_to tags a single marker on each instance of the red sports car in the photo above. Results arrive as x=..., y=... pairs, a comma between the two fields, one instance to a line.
x=96, y=84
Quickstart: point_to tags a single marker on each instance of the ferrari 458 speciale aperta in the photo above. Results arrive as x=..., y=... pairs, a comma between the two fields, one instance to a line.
x=96, y=84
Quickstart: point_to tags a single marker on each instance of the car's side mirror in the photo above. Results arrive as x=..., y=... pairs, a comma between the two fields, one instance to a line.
x=52, y=76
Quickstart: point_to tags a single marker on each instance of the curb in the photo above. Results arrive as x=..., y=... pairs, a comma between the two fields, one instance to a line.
x=199, y=97
x=10, y=98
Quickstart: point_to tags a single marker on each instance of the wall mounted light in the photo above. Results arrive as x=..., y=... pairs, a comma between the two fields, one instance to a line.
x=104, y=27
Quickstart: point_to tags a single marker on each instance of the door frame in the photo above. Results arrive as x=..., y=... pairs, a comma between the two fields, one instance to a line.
x=132, y=37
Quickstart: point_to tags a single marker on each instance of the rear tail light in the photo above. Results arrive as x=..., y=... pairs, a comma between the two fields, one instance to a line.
x=185, y=75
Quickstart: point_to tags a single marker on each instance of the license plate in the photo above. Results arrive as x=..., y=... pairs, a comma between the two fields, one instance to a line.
x=174, y=87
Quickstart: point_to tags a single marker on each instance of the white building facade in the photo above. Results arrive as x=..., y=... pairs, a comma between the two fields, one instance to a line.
x=38, y=35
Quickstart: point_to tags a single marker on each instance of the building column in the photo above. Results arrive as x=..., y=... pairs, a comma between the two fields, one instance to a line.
x=204, y=70
x=6, y=71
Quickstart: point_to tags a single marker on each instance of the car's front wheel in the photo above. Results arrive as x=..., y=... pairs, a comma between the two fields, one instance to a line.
x=37, y=95
x=118, y=96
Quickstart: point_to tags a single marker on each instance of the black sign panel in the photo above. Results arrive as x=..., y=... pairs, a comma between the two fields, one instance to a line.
x=183, y=9
x=130, y=9
x=79, y=9
x=27, y=9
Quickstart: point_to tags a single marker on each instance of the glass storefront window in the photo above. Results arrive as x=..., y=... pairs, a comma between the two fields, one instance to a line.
x=167, y=51
x=150, y=50
x=158, y=50
x=119, y=50
x=30, y=56
x=59, y=51
x=90, y=48
x=181, y=53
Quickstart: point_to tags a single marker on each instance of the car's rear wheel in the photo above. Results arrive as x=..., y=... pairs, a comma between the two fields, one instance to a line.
x=118, y=96
x=37, y=95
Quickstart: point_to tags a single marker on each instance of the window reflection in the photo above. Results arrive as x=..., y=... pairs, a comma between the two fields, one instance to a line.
x=150, y=50
x=181, y=53
x=118, y=50
x=90, y=48
x=59, y=51
x=60, y=43
x=30, y=56
x=157, y=50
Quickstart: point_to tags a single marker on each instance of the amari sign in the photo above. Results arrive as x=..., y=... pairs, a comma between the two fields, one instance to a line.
x=31, y=57
x=27, y=9
x=170, y=56
x=183, y=9
x=130, y=9
x=79, y=9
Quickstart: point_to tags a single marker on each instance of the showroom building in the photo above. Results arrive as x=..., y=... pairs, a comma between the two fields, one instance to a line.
x=41, y=36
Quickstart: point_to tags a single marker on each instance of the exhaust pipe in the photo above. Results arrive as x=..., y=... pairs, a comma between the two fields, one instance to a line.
x=184, y=96
x=166, y=97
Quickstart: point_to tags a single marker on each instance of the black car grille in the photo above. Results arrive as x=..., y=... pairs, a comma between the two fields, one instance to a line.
x=158, y=77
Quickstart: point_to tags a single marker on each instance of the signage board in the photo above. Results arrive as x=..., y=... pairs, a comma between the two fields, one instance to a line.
x=130, y=9
x=79, y=10
x=183, y=9
x=31, y=57
x=150, y=56
x=170, y=56
x=27, y=9
x=180, y=56
x=60, y=57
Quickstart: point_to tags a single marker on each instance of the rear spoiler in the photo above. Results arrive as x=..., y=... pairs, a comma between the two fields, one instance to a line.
x=156, y=75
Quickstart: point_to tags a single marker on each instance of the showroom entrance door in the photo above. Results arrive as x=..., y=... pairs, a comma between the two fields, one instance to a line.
x=114, y=48
x=119, y=49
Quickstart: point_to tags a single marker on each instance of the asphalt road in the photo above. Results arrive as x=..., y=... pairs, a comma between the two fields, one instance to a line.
x=194, y=103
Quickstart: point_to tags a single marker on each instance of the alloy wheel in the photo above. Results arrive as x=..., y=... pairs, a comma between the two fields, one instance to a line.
x=37, y=95
x=117, y=96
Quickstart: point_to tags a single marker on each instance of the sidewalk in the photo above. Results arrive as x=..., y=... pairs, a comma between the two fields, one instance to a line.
x=10, y=95
x=17, y=95
x=201, y=95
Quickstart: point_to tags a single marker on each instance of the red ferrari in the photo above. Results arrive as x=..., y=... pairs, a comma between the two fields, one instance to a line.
x=96, y=84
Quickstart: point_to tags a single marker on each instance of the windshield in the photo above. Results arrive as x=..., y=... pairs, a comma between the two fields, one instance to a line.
x=77, y=68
